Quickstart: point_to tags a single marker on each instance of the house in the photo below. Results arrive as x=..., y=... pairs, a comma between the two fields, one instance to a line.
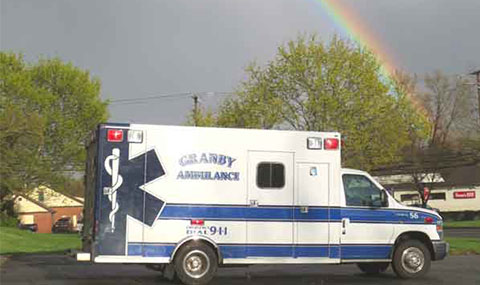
x=455, y=191
x=44, y=206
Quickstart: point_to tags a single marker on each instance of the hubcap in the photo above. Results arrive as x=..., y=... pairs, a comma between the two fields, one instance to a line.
x=196, y=264
x=413, y=260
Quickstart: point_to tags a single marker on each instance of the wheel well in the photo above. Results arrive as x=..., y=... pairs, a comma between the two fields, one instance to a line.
x=207, y=242
x=422, y=237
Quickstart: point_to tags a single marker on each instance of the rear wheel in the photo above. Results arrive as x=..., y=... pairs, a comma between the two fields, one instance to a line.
x=196, y=263
x=411, y=259
x=373, y=267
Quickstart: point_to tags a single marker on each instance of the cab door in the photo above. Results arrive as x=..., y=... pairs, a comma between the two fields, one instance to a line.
x=367, y=226
x=270, y=198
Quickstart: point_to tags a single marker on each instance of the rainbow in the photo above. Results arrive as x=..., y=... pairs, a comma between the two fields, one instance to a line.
x=350, y=24
x=353, y=27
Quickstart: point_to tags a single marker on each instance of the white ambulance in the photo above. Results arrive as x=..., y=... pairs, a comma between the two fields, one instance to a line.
x=187, y=200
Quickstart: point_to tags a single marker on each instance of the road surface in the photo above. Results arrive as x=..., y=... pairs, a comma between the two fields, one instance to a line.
x=59, y=269
x=462, y=232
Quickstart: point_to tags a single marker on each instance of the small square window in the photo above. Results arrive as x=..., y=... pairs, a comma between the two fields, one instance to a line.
x=270, y=175
x=41, y=196
x=438, y=196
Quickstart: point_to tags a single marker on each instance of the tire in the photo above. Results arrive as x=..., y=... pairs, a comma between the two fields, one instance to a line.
x=196, y=263
x=411, y=259
x=372, y=268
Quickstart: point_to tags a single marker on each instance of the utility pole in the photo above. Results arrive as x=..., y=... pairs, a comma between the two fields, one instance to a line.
x=195, y=109
x=477, y=73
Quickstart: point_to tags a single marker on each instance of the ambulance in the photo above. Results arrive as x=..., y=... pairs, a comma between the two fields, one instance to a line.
x=187, y=200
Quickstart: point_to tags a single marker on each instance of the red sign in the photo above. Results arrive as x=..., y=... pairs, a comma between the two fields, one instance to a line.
x=426, y=193
x=115, y=135
x=464, y=195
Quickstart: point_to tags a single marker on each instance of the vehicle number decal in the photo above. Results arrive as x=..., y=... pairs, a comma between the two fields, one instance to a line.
x=414, y=215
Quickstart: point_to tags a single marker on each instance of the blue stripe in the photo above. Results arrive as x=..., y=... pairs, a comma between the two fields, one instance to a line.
x=285, y=213
x=279, y=250
x=150, y=250
x=365, y=251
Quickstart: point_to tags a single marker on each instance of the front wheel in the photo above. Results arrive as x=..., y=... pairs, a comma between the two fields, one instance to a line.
x=196, y=263
x=373, y=267
x=411, y=259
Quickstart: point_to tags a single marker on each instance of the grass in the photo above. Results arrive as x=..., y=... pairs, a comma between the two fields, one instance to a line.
x=457, y=224
x=16, y=241
x=461, y=245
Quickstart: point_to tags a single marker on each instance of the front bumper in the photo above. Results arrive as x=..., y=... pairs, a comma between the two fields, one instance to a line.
x=440, y=249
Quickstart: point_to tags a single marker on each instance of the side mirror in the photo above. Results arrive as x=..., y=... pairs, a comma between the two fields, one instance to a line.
x=379, y=201
x=384, y=198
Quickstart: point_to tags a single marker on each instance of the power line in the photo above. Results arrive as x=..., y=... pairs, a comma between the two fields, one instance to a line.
x=160, y=96
x=129, y=101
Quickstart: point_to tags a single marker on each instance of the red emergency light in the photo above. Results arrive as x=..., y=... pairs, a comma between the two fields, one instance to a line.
x=114, y=135
x=428, y=220
x=330, y=144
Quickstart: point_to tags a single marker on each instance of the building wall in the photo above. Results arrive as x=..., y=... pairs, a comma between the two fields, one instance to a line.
x=73, y=212
x=22, y=205
x=450, y=204
x=42, y=219
x=44, y=222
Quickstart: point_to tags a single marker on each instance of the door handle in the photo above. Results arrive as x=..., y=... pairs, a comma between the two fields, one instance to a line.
x=304, y=209
x=345, y=222
x=253, y=203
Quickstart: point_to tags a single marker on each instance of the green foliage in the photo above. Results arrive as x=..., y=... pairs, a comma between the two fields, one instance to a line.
x=47, y=110
x=16, y=241
x=337, y=86
x=201, y=118
x=7, y=220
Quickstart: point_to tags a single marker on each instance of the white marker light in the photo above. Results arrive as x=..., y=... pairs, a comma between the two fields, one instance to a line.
x=314, y=143
x=135, y=136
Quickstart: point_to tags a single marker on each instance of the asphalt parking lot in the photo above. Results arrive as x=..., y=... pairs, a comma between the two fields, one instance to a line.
x=60, y=269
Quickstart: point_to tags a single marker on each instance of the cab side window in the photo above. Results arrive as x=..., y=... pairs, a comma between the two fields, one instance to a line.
x=360, y=191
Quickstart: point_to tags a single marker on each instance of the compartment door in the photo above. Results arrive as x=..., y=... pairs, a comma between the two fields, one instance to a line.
x=312, y=213
x=270, y=198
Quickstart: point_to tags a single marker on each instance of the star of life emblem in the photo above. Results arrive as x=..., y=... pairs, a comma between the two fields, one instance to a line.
x=111, y=166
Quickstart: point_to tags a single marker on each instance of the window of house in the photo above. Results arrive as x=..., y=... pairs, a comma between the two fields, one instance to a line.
x=409, y=197
x=270, y=175
x=438, y=196
x=41, y=196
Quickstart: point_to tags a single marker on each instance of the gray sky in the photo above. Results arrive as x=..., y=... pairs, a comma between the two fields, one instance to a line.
x=141, y=48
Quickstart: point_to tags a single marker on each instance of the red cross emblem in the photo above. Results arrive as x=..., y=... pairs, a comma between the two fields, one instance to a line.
x=115, y=135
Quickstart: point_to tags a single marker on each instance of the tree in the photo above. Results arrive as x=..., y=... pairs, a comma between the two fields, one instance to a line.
x=447, y=104
x=47, y=111
x=314, y=86
x=450, y=103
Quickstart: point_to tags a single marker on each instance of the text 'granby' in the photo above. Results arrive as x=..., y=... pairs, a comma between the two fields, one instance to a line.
x=206, y=158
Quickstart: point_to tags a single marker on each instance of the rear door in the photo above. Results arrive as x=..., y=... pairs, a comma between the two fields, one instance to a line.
x=270, y=195
x=119, y=195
